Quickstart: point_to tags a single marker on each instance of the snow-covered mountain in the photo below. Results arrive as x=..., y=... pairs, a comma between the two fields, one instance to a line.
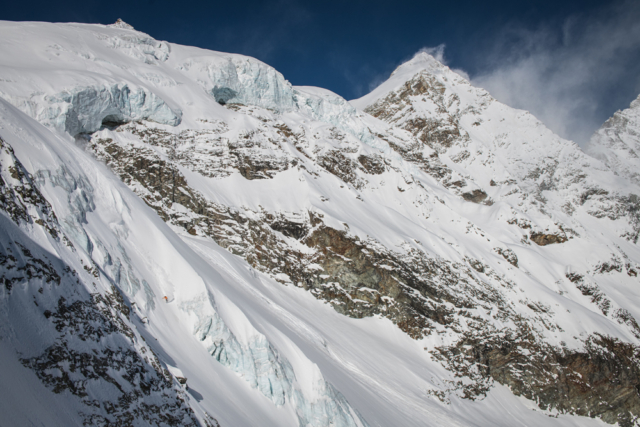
x=617, y=142
x=188, y=239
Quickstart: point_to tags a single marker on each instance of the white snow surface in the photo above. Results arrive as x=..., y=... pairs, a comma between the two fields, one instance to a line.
x=255, y=351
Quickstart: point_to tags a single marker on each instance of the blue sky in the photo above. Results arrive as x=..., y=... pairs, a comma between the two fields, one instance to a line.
x=572, y=63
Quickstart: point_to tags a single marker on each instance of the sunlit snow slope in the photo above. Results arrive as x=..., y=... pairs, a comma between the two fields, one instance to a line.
x=617, y=142
x=422, y=256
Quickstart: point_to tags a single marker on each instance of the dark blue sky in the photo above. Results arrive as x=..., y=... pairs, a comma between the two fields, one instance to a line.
x=348, y=46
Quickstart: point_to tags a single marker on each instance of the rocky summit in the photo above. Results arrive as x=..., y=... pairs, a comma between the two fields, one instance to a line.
x=189, y=240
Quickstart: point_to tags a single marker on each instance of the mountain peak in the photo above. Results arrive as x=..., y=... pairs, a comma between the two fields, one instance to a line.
x=121, y=24
x=420, y=61
x=427, y=61
x=616, y=142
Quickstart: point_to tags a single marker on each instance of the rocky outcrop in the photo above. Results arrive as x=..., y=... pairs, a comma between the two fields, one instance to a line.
x=414, y=153
x=603, y=380
x=542, y=239
x=509, y=255
x=19, y=195
x=414, y=291
x=435, y=133
x=341, y=166
x=374, y=165
x=475, y=196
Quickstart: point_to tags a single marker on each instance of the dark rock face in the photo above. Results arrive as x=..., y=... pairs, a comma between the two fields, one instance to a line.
x=476, y=196
x=542, y=239
x=296, y=230
x=372, y=164
x=509, y=255
x=360, y=283
x=21, y=200
x=601, y=381
x=343, y=167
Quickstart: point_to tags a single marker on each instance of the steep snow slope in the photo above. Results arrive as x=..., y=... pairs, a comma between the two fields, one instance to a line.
x=354, y=354
x=463, y=264
x=119, y=241
x=617, y=142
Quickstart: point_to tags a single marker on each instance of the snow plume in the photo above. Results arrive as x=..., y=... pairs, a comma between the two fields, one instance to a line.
x=438, y=53
x=572, y=75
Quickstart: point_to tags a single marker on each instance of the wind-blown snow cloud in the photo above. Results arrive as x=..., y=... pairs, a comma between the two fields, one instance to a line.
x=438, y=53
x=573, y=75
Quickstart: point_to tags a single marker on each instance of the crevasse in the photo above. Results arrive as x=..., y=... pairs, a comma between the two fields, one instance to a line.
x=261, y=365
x=80, y=201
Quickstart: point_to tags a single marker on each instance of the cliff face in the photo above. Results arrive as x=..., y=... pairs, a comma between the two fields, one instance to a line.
x=378, y=262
